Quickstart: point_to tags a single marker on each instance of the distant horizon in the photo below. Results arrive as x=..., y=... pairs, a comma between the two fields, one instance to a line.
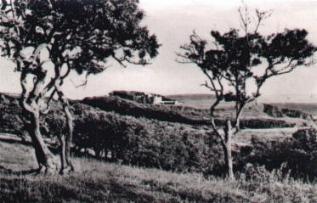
x=273, y=98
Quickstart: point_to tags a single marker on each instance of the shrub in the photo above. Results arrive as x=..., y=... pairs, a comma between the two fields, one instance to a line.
x=145, y=142
x=303, y=153
x=298, y=153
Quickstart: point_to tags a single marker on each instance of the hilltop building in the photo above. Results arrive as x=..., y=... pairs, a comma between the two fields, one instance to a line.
x=144, y=98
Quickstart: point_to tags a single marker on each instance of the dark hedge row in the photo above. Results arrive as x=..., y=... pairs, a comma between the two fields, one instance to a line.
x=261, y=123
x=278, y=111
x=145, y=142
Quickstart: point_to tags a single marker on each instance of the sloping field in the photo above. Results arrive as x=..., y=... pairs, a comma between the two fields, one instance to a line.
x=102, y=182
x=253, y=116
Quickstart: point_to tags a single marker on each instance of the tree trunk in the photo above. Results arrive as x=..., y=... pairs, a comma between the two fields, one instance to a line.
x=44, y=157
x=66, y=143
x=69, y=137
x=62, y=153
x=238, y=124
x=227, y=148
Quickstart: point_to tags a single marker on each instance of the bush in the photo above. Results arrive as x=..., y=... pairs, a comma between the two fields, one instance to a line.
x=303, y=152
x=298, y=153
x=261, y=123
x=145, y=142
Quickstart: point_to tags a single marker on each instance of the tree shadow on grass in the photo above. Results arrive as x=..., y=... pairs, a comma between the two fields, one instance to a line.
x=10, y=140
x=54, y=149
x=7, y=171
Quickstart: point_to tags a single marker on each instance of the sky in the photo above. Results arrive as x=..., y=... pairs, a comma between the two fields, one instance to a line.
x=173, y=21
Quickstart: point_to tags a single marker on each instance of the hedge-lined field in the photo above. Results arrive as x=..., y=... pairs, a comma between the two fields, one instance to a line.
x=155, y=143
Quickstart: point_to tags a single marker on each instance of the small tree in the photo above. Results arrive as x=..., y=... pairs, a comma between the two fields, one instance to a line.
x=48, y=39
x=236, y=59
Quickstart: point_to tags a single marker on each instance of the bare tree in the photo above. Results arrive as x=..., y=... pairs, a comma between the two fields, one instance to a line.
x=48, y=39
x=236, y=61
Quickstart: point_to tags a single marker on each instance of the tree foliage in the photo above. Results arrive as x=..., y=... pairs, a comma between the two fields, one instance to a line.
x=82, y=34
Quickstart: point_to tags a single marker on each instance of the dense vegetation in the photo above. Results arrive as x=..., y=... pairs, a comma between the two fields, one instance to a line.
x=298, y=154
x=118, y=136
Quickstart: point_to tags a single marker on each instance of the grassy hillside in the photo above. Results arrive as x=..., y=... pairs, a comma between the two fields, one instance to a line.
x=157, y=112
x=253, y=116
x=102, y=182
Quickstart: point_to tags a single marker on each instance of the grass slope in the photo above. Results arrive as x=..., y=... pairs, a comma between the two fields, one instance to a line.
x=102, y=182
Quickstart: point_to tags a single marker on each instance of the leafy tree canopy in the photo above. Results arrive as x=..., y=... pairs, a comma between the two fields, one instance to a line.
x=80, y=33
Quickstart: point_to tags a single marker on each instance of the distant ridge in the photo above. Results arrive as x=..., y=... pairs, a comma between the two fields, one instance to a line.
x=289, y=98
x=191, y=96
x=201, y=101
